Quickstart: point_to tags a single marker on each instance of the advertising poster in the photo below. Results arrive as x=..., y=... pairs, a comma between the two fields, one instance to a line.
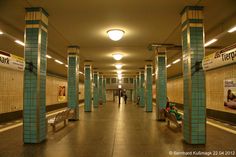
x=61, y=93
x=230, y=93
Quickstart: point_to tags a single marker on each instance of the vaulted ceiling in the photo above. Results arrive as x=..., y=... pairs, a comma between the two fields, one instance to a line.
x=85, y=23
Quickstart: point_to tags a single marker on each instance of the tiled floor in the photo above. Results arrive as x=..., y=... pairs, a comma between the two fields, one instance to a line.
x=110, y=131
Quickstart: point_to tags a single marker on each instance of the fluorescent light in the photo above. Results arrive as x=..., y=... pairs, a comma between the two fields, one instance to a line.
x=153, y=74
x=20, y=42
x=118, y=66
x=66, y=65
x=58, y=61
x=210, y=42
x=115, y=34
x=119, y=86
x=168, y=65
x=1, y=32
x=176, y=61
x=231, y=30
x=81, y=72
x=117, y=56
x=48, y=56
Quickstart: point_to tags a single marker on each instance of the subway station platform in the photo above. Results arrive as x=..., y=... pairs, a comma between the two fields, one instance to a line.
x=113, y=131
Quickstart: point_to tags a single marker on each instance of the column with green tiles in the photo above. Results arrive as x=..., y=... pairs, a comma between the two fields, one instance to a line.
x=87, y=87
x=104, y=90
x=194, y=130
x=141, y=89
x=100, y=94
x=137, y=89
x=161, y=83
x=73, y=80
x=95, y=89
x=148, y=87
x=34, y=105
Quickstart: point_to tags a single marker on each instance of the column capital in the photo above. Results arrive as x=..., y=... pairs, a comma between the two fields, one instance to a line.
x=73, y=50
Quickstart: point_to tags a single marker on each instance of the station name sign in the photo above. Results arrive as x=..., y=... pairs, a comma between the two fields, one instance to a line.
x=11, y=61
x=220, y=58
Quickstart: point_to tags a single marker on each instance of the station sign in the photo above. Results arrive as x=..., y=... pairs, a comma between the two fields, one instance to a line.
x=220, y=58
x=11, y=61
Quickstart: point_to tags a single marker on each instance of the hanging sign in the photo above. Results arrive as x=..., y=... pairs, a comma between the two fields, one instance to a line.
x=11, y=61
x=220, y=58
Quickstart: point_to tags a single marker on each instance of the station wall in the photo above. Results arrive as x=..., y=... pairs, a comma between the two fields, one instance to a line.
x=11, y=90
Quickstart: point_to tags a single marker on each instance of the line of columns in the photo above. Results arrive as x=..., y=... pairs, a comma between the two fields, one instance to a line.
x=35, y=79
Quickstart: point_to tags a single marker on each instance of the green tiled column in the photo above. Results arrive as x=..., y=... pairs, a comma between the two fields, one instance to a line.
x=148, y=89
x=34, y=107
x=87, y=88
x=161, y=82
x=137, y=88
x=194, y=79
x=104, y=90
x=95, y=89
x=73, y=80
x=100, y=89
x=141, y=89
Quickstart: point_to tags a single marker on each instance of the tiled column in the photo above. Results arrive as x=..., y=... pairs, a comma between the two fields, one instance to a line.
x=148, y=89
x=100, y=89
x=161, y=83
x=141, y=89
x=137, y=88
x=194, y=80
x=95, y=89
x=104, y=90
x=87, y=87
x=73, y=80
x=34, y=113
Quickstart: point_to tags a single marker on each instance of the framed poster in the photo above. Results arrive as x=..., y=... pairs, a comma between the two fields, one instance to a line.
x=61, y=93
x=230, y=93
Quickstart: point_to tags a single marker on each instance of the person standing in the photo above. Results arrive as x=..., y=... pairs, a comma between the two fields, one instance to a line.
x=125, y=98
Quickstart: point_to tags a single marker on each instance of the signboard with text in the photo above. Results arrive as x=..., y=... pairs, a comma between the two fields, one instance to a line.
x=11, y=61
x=220, y=58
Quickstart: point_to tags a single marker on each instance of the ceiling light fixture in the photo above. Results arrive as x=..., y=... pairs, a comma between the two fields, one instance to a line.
x=231, y=30
x=168, y=65
x=210, y=42
x=119, y=86
x=20, y=42
x=48, y=56
x=1, y=32
x=66, y=65
x=58, y=61
x=118, y=66
x=176, y=61
x=119, y=72
x=115, y=34
x=117, y=56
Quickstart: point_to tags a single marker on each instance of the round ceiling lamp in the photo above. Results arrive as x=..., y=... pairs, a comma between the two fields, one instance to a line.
x=115, y=34
x=118, y=66
x=117, y=56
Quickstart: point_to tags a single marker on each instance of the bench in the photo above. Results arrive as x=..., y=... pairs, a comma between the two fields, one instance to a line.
x=60, y=117
x=172, y=118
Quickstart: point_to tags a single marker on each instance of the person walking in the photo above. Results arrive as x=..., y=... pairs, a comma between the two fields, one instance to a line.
x=125, y=98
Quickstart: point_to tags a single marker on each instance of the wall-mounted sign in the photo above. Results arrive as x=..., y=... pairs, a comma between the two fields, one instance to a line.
x=220, y=58
x=230, y=93
x=11, y=61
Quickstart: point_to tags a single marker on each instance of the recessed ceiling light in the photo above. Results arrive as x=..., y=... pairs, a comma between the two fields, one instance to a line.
x=118, y=66
x=48, y=56
x=119, y=86
x=231, y=30
x=1, y=32
x=115, y=34
x=58, y=61
x=20, y=42
x=176, y=61
x=210, y=42
x=117, y=56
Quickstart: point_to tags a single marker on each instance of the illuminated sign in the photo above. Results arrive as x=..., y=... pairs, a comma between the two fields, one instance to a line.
x=11, y=61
